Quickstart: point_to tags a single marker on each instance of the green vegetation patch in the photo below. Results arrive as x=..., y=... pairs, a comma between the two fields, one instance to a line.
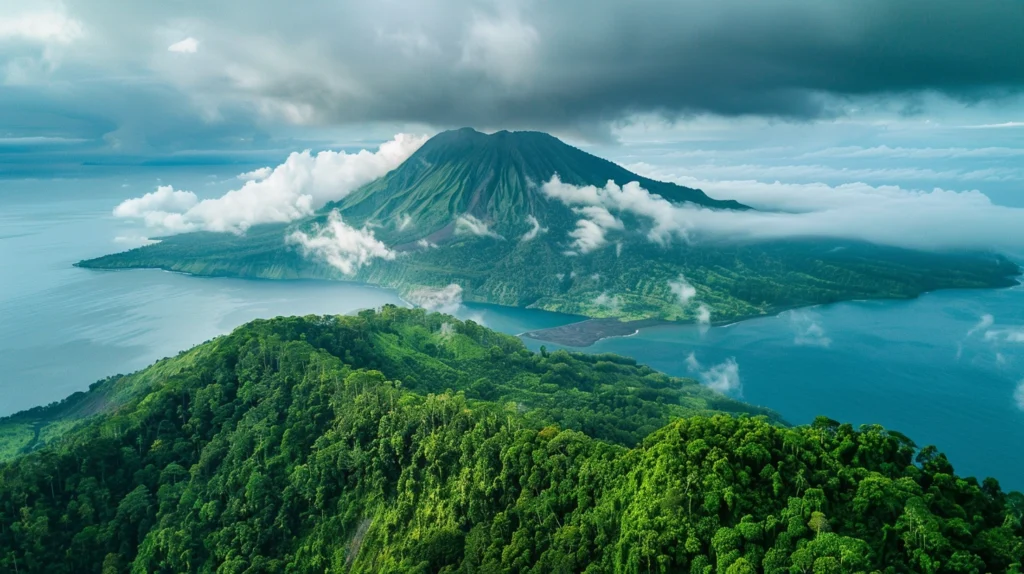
x=400, y=441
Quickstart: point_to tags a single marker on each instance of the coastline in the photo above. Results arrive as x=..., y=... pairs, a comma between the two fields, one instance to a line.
x=590, y=331
x=586, y=332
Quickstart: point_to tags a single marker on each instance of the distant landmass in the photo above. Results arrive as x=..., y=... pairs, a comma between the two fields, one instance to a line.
x=403, y=441
x=472, y=209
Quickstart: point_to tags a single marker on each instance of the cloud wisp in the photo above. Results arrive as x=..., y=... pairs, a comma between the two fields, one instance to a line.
x=935, y=220
x=467, y=224
x=1008, y=335
x=292, y=190
x=986, y=321
x=611, y=303
x=1002, y=341
x=342, y=246
x=723, y=377
x=808, y=331
x=187, y=46
x=682, y=289
x=1018, y=395
x=535, y=229
x=447, y=299
x=686, y=294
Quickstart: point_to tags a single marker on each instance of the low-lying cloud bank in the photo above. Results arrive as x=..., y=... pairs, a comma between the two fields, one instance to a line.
x=935, y=220
x=302, y=184
x=342, y=246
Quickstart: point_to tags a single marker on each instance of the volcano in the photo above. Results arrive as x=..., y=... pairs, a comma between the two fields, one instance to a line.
x=469, y=209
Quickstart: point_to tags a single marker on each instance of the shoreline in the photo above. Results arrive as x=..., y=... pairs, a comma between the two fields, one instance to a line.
x=586, y=333
x=579, y=334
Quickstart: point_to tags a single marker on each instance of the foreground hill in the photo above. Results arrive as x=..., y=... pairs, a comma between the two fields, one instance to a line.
x=397, y=441
x=468, y=208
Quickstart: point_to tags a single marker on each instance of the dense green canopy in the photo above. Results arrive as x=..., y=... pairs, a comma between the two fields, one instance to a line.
x=400, y=441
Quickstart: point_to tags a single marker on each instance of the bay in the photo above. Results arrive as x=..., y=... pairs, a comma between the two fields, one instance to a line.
x=926, y=367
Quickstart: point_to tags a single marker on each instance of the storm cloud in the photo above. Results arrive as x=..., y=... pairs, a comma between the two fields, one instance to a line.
x=575, y=66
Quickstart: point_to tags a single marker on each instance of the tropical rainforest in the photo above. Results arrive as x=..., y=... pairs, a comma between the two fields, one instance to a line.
x=397, y=440
x=518, y=249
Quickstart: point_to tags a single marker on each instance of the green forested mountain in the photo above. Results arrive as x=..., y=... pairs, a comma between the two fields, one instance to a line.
x=496, y=180
x=400, y=441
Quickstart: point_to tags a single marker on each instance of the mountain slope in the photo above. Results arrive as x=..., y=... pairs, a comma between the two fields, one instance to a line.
x=405, y=345
x=283, y=448
x=522, y=246
x=495, y=178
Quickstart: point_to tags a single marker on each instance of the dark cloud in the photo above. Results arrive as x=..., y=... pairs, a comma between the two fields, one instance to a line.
x=571, y=65
x=557, y=63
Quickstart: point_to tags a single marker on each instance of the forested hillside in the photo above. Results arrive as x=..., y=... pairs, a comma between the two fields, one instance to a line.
x=400, y=441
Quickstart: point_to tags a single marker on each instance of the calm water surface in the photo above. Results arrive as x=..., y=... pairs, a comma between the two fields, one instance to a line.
x=909, y=365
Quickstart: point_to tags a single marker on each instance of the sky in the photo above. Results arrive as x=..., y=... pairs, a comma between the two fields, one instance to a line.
x=915, y=94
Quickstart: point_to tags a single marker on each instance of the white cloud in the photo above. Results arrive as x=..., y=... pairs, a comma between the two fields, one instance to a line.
x=683, y=290
x=600, y=216
x=425, y=243
x=723, y=377
x=162, y=209
x=808, y=330
x=984, y=323
x=1009, y=335
x=50, y=26
x=292, y=190
x=587, y=236
x=996, y=126
x=717, y=172
x=256, y=174
x=1018, y=395
x=404, y=221
x=187, y=46
x=612, y=303
x=703, y=314
x=447, y=331
x=342, y=246
x=535, y=229
x=468, y=225
x=938, y=219
x=884, y=152
x=39, y=140
x=134, y=240
x=590, y=233
x=447, y=299
x=692, y=364
x=164, y=199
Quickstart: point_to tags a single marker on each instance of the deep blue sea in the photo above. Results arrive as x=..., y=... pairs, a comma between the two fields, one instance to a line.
x=914, y=366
